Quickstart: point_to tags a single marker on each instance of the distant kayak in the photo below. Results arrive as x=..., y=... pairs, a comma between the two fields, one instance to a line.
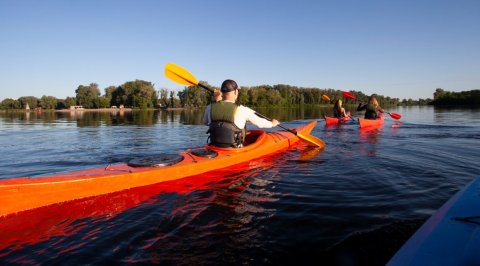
x=364, y=123
x=450, y=237
x=335, y=121
x=25, y=193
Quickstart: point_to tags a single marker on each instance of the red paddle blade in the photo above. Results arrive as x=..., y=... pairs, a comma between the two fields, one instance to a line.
x=347, y=94
x=395, y=115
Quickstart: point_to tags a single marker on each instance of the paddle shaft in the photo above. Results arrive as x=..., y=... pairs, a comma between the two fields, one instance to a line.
x=205, y=87
x=279, y=125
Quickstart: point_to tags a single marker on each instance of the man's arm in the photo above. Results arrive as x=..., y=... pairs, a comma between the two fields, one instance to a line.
x=258, y=121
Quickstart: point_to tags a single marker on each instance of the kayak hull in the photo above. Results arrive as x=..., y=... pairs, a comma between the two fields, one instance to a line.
x=451, y=236
x=335, y=121
x=371, y=123
x=24, y=193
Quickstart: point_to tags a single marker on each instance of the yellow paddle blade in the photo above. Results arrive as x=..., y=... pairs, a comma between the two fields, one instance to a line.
x=180, y=75
x=325, y=98
x=313, y=140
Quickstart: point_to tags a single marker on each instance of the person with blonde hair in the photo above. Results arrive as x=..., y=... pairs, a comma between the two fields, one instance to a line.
x=372, y=108
x=338, y=110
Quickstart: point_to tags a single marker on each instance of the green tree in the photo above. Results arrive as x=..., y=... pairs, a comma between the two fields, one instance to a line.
x=442, y=97
x=10, y=104
x=138, y=93
x=195, y=96
x=48, y=102
x=274, y=97
x=109, y=91
x=119, y=97
x=70, y=101
x=30, y=100
x=439, y=93
x=61, y=104
x=103, y=102
x=163, y=100
x=144, y=97
x=87, y=96
x=243, y=95
x=173, y=101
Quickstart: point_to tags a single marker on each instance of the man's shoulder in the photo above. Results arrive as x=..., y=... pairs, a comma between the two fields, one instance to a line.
x=245, y=108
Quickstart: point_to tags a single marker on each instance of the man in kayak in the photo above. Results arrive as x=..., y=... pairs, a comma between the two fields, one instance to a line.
x=372, y=108
x=227, y=120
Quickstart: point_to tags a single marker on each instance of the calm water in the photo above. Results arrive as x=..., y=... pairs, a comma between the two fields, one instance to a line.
x=355, y=203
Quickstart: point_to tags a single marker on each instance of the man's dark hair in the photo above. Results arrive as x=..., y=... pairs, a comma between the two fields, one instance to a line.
x=229, y=85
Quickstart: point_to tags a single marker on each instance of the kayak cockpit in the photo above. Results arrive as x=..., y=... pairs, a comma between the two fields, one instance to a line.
x=253, y=139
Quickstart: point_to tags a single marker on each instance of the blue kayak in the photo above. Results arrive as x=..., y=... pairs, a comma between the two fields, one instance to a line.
x=450, y=237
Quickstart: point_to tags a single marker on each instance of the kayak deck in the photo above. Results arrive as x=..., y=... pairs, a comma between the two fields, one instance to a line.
x=24, y=193
x=451, y=236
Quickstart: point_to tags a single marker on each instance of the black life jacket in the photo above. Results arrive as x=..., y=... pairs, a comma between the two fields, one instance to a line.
x=223, y=131
x=337, y=113
x=371, y=112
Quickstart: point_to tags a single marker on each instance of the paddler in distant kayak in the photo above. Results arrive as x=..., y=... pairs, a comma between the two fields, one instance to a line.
x=339, y=111
x=227, y=120
x=372, y=108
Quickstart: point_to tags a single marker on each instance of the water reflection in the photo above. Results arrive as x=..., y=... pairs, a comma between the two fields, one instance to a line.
x=68, y=218
x=411, y=114
x=438, y=115
x=90, y=118
x=217, y=197
x=191, y=116
x=369, y=137
x=147, y=117
x=456, y=115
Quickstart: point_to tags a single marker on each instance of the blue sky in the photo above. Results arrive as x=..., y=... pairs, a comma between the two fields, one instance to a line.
x=402, y=49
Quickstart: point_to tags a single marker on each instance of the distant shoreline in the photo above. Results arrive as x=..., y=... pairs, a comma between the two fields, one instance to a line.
x=92, y=110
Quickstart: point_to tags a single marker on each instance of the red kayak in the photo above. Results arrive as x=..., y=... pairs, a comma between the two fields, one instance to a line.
x=335, y=121
x=370, y=123
x=25, y=193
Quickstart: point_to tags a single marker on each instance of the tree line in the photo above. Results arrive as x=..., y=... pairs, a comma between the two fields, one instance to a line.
x=136, y=94
x=470, y=98
x=142, y=94
x=286, y=95
x=276, y=95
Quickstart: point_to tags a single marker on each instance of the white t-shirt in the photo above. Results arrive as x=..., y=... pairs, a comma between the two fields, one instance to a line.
x=242, y=115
